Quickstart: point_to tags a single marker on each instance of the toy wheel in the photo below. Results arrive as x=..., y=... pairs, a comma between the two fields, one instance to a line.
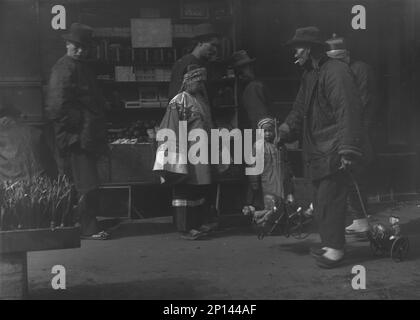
x=399, y=249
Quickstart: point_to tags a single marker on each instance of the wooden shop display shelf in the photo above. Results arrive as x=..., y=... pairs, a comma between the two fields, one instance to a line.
x=15, y=244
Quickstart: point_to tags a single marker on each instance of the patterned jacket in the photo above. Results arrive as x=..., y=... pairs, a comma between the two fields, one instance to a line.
x=195, y=114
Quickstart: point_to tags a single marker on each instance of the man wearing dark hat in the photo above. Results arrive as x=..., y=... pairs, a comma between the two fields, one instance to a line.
x=206, y=43
x=76, y=108
x=363, y=75
x=327, y=111
x=254, y=98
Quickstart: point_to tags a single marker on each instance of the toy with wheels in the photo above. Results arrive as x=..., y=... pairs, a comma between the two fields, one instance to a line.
x=388, y=241
x=284, y=220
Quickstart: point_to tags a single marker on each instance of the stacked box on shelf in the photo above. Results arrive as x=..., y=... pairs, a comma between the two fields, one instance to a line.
x=112, y=32
x=132, y=104
x=183, y=30
x=162, y=74
x=163, y=98
x=153, y=74
x=149, y=97
x=145, y=74
x=124, y=73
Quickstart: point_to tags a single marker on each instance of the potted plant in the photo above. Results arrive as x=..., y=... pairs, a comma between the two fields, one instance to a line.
x=35, y=215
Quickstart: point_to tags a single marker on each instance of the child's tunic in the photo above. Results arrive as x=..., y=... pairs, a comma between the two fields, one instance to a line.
x=276, y=176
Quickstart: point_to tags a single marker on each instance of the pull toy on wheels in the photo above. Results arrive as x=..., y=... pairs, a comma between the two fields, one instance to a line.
x=274, y=221
x=387, y=240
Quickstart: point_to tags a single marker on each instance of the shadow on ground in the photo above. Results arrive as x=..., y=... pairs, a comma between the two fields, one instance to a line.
x=156, y=289
x=125, y=230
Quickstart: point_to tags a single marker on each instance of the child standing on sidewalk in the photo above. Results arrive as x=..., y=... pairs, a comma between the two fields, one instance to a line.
x=276, y=178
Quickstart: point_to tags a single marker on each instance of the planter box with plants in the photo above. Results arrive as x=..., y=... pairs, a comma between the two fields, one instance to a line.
x=35, y=215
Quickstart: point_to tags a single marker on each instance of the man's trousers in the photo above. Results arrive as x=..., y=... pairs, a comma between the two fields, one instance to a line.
x=330, y=204
x=81, y=168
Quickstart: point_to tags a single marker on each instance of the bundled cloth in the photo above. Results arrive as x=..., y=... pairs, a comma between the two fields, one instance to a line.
x=194, y=75
x=171, y=159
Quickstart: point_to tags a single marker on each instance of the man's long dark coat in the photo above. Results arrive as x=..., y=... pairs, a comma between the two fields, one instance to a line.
x=76, y=107
x=327, y=110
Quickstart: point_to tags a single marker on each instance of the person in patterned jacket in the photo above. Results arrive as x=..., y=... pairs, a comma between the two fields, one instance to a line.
x=191, y=182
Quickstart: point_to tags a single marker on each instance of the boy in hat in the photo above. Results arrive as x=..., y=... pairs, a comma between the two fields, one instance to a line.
x=206, y=42
x=363, y=74
x=254, y=99
x=77, y=109
x=327, y=112
x=276, y=178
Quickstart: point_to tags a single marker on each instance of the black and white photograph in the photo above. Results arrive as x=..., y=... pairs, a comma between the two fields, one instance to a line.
x=209, y=154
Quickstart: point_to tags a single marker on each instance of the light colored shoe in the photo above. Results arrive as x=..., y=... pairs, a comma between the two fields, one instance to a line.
x=358, y=226
x=310, y=211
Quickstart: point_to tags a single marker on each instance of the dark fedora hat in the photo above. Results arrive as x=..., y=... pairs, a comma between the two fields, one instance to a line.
x=204, y=30
x=307, y=35
x=79, y=33
x=240, y=58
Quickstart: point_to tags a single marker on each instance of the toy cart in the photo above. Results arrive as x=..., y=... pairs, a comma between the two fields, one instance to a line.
x=387, y=240
x=288, y=222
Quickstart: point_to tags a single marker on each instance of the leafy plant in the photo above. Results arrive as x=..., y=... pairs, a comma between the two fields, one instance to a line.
x=36, y=203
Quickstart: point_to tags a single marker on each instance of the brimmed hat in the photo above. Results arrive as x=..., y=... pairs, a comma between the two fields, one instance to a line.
x=240, y=58
x=307, y=35
x=80, y=33
x=204, y=30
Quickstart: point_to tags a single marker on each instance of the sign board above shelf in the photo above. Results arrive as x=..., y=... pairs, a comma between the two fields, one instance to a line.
x=151, y=33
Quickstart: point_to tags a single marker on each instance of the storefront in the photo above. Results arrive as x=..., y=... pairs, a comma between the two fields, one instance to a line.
x=134, y=74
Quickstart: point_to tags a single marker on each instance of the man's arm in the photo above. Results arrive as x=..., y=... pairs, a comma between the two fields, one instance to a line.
x=63, y=106
x=342, y=94
x=291, y=129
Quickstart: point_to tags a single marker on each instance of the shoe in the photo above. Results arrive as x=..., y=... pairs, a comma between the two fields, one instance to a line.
x=316, y=252
x=208, y=227
x=326, y=263
x=358, y=226
x=193, y=235
x=103, y=235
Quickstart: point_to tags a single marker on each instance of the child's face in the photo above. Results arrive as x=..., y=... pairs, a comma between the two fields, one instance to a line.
x=194, y=87
x=269, y=202
x=269, y=133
